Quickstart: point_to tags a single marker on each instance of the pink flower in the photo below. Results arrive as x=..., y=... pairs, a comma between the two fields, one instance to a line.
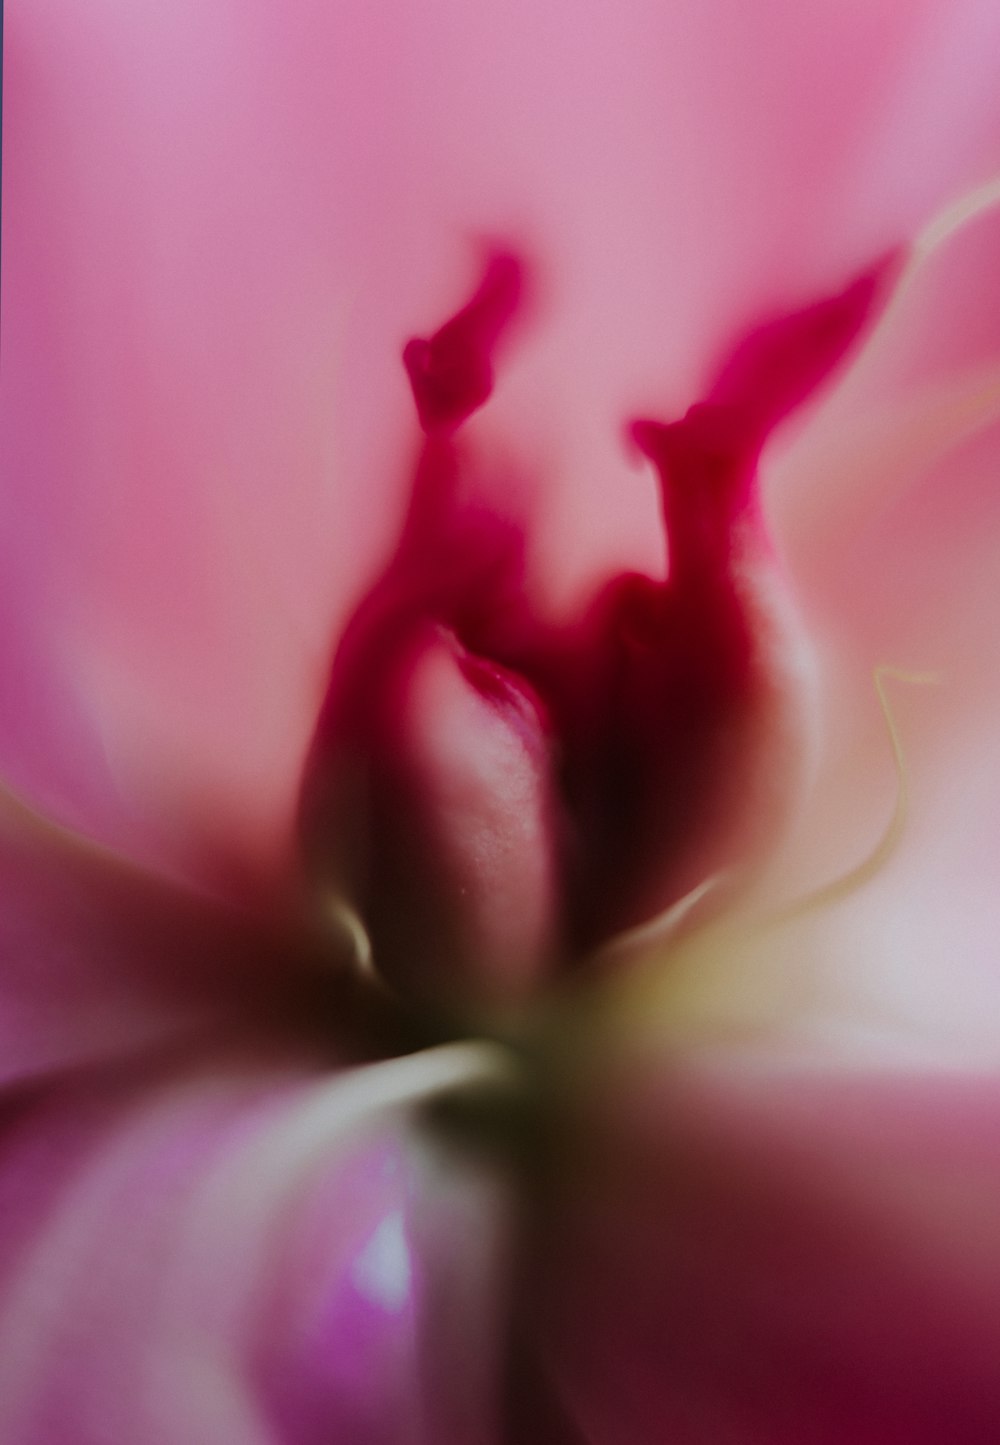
x=732, y=1179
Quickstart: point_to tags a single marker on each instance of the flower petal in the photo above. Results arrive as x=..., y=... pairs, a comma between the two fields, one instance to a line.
x=749, y=1253
x=217, y=234
x=250, y=1253
x=102, y=960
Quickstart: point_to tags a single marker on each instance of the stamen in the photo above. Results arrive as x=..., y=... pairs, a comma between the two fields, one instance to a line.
x=659, y=931
x=955, y=218
x=346, y=924
x=881, y=854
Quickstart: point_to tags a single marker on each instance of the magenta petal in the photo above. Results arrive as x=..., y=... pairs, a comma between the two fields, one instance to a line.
x=756, y=1255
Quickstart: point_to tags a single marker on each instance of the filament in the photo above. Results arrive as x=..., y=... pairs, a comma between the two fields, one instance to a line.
x=869, y=868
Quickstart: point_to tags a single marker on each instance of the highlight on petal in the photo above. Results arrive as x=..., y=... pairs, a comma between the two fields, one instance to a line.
x=247, y=1252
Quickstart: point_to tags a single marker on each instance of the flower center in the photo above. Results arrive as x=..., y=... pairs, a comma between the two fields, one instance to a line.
x=496, y=794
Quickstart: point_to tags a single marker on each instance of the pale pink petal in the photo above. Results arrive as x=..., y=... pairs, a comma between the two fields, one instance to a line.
x=248, y=1253
x=218, y=232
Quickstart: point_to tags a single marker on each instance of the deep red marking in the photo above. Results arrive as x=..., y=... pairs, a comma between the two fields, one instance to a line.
x=452, y=374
